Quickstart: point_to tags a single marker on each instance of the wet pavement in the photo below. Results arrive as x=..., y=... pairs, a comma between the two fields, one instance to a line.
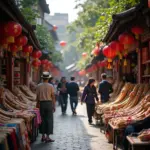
x=74, y=133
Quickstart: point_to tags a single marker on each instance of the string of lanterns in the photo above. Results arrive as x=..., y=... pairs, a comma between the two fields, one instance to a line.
x=115, y=48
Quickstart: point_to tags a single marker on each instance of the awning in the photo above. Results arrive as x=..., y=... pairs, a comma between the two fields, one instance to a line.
x=125, y=20
x=70, y=66
x=44, y=6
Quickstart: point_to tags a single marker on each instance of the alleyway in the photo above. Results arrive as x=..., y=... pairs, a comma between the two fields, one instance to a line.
x=74, y=133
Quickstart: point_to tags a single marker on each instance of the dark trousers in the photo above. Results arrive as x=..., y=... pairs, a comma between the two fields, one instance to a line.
x=129, y=129
x=90, y=111
x=73, y=103
x=63, y=102
x=46, y=111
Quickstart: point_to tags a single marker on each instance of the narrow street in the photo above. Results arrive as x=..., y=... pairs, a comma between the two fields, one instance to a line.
x=74, y=133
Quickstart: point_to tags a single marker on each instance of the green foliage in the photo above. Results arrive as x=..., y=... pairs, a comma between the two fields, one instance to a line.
x=45, y=38
x=95, y=19
x=47, y=42
x=29, y=10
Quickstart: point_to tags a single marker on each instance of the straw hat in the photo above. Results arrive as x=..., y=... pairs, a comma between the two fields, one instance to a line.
x=46, y=75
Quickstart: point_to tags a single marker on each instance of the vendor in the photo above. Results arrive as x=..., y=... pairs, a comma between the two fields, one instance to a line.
x=135, y=127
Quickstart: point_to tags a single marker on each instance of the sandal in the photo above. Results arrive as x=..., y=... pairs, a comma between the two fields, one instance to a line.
x=43, y=139
x=49, y=140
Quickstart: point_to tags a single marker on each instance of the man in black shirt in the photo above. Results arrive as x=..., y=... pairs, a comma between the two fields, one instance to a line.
x=63, y=94
x=105, y=88
x=73, y=89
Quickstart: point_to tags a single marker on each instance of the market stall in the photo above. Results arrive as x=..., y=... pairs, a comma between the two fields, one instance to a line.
x=127, y=43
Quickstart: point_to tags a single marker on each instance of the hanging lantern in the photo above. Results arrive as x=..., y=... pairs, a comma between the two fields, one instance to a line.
x=39, y=62
x=21, y=41
x=137, y=31
x=96, y=50
x=118, y=47
x=104, y=63
x=63, y=43
x=82, y=72
x=126, y=39
x=99, y=64
x=55, y=27
x=84, y=55
x=36, y=54
x=27, y=50
x=36, y=64
x=12, y=30
x=110, y=54
x=44, y=62
x=94, y=67
x=13, y=49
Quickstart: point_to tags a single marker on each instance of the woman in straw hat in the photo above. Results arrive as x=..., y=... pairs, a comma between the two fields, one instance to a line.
x=46, y=101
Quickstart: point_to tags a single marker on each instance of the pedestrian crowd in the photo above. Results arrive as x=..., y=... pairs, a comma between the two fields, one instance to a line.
x=51, y=90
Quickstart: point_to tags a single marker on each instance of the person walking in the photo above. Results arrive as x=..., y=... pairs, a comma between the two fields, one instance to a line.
x=46, y=102
x=105, y=88
x=73, y=89
x=63, y=95
x=89, y=95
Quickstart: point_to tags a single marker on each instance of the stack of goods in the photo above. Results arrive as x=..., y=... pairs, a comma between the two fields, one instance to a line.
x=117, y=86
x=28, y=92
x=119, y=101
x=28, y=100
x=33, y=86
x=144, y=135
x=116, y=90
x=138, y=112
x=129, y=104
x=19, y=112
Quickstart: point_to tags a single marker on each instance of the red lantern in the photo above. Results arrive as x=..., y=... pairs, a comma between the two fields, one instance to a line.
x=126, y=39
x=94, y=68
x=99, y=64
x=37, y=54
x=63, y=43
x=82, y=72
x=137, y=31
x=115, y=45
x=84, y=55
x=21, y=40
x=104, y=63
x=50, y=65
x=55, y=27
x=39, y=62
x=12, y=29
x=44, y=62
x=14, y=49
x=110, y=54
x=96, y=50
x=36, y=64
x=27, y=49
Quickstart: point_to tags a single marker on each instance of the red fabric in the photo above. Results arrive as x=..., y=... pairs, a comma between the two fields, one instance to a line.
x=14, y=140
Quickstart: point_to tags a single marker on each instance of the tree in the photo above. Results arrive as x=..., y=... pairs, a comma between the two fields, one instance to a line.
x=29, y=10
x=47, y=43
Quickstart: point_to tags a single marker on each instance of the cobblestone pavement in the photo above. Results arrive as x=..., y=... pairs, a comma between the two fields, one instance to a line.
x=74, y=133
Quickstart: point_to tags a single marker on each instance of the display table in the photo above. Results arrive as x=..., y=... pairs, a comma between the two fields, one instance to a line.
x=115, y=131
x=137, y=144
